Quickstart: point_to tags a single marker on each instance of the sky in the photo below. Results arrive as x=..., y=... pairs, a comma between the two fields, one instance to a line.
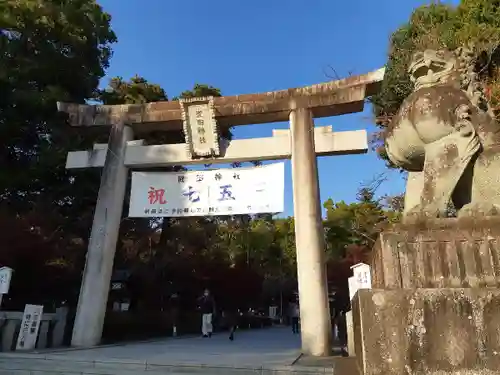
x=243, y=46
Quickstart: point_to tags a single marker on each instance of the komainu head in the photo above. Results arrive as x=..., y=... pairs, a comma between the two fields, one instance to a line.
x=438, y=67
x=431, y=67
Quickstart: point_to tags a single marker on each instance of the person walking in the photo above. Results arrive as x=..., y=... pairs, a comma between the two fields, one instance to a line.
x=207, y=308
x=174, y=312
x=231, y=312
x=295, y=316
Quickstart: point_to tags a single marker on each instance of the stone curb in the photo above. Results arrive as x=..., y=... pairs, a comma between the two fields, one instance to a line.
x=96, y=367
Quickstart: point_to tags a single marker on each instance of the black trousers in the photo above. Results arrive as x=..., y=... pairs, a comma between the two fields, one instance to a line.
x=342, y=329
x=295, y=324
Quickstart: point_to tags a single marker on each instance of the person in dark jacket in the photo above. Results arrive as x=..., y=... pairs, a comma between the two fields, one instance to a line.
x=342, y=306
x=207, y=308
x=295, y=316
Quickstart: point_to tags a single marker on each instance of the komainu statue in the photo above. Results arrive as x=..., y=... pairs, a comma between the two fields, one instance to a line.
x=446, y=137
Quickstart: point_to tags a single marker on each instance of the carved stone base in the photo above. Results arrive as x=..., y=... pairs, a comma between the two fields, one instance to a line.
x=427, y=331
x=440, y=253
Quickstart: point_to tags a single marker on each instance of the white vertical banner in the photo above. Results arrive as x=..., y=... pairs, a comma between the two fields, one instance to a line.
x=29, y=327
x=231, y=191
x=362, y=275
x=361, y=278
x=5, y=277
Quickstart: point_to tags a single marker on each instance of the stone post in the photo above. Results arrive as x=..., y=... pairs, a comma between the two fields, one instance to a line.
x=353, y=288
x=60, y=326
x=9, y=328
x=309, y=234
x=96, y=280
x=351, y=347
x=43, y=334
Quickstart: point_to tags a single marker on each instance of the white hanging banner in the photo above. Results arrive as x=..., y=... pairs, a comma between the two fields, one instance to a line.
x=232, y=191
x=29, y=327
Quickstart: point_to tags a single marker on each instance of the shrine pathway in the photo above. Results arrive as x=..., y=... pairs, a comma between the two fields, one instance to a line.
x=264, y=347
x=267, y=351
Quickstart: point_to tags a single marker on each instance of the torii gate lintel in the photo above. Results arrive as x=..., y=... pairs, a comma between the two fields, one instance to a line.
x=324, y=100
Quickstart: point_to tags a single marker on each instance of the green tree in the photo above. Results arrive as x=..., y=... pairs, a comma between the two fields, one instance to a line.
x=200, y=90
x=49, y=51
x=357, y=223
x=439, y=25
x=136, y=91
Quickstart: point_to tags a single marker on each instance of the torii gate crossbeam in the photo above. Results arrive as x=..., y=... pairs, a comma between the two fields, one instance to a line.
x=277, y=147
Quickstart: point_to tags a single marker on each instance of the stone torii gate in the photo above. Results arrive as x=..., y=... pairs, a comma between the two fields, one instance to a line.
x=300, y=143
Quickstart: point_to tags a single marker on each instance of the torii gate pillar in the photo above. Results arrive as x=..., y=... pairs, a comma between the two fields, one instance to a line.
x=94, y=290
x=309, y=238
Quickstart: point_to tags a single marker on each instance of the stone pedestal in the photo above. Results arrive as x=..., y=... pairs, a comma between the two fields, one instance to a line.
x=435, y=306
x=427, y=331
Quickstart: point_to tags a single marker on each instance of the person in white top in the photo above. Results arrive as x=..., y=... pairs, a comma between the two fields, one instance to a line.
x=207, y=307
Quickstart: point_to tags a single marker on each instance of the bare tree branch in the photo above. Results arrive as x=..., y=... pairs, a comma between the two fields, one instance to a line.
x=335, y=76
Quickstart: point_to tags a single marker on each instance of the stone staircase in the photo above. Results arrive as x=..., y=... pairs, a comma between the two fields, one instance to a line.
x=39, y=364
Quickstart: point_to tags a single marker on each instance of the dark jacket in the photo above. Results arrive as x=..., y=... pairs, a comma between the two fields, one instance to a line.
x=174, y=302
x=341, y=303
x=207, y=305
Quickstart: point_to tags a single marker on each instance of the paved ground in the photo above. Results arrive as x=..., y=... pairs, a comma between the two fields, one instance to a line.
x=256, y=348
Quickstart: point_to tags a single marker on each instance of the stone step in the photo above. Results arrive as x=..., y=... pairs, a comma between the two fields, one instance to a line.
x=44, y=365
